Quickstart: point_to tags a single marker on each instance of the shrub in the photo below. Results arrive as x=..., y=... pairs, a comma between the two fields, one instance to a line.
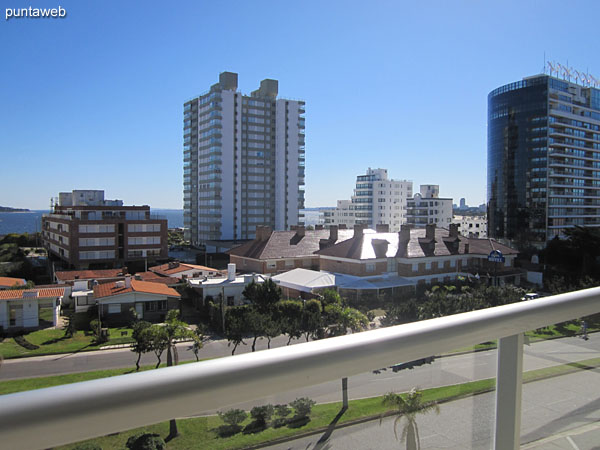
x=302, y=407
x=281, y=412
x=261, y=415
x=232, y=418
x=146, y=441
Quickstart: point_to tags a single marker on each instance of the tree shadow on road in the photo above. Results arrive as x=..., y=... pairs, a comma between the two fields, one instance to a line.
x=323, y=442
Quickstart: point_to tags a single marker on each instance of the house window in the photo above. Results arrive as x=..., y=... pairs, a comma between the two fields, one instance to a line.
x=230, y=300
x=453, y=263
x=370, y=267
x=151, y=306
x=162, y=305
x=415, y=267
x=440, y=264
x=428, y=266
x=114, y=308
x=271, y=264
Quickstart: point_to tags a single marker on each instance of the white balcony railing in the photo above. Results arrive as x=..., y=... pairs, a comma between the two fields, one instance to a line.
x=53, y=416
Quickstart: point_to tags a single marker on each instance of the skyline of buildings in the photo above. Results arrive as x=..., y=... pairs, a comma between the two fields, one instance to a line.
x=543, y=158
x=244, y=159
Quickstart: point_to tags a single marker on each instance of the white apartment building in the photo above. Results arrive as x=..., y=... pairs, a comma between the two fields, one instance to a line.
x=376, y=200
x=243, y=161
x=427, y=207
x=471, y=226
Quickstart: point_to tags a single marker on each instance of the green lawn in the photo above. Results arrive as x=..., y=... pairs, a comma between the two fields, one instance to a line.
x=52, y=341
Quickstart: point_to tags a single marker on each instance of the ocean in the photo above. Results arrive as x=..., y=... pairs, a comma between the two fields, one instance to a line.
x=30, y=222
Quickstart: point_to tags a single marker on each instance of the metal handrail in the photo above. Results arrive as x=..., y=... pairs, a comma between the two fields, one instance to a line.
x=53, y=416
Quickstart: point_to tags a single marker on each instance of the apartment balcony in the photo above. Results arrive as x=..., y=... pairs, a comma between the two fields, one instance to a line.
x=525, y=408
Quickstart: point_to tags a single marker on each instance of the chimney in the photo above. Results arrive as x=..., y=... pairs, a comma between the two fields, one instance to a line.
x=403, y=239
x=231, y=272
x=128, y=281
x=342, y=226
x=358, y=230
x=263, y=232
x=333, y=233
x=300, y=231
x=319, y=227
x=453, y=230
x=430, y=231
x=382, y=228
x=467, y=247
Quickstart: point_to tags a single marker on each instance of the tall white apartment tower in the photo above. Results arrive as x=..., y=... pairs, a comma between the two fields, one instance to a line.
x=243, y=161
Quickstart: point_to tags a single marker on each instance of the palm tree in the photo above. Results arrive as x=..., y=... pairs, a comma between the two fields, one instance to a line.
x=408, y=406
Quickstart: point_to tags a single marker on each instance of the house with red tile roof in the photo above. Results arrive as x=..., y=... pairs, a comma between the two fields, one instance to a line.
x=183, y=270
x=149, y=300
x=274, y=252
x=20, y=309
x=104, y=275
x=8, y=282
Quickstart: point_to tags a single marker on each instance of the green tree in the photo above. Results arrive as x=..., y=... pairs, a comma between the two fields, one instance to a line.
x=236, y=326
x=175, y=329
x=289, y=318
x=157, y=336
x=302, y=407
x=264, y=296
x=407, y=407
x=233, y=419
x=311, y=323
x=141, y=340
x=199, y=339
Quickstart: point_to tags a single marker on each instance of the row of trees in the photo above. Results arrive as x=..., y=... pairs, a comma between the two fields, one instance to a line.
x=268, y=316
x=442, y=301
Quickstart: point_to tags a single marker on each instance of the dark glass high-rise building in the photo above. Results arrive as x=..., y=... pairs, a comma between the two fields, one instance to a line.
x=543, y=159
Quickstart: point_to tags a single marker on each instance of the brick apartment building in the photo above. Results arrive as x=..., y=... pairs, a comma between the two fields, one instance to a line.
x=87, y=232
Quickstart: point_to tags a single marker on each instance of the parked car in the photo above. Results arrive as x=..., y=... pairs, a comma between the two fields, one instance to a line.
x=530, y=296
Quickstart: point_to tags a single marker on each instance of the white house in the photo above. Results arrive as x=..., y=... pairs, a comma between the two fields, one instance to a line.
x=21, y=308
x=230, y=288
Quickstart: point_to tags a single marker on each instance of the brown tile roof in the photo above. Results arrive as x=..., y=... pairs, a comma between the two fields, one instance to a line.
x=111, y=289
x=365, y=246
x=10, y=282
x=71, y=275
x=155, y=278
x=287, y=244
x=18, y=294
x=171, y=269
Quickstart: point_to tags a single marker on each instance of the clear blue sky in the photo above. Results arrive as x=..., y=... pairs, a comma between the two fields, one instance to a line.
x=95, y=100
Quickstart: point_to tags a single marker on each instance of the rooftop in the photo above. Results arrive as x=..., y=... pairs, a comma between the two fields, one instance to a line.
x=19, y=294
x=112, y=289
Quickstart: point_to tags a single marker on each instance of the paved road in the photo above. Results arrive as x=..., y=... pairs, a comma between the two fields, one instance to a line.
x=564, y=411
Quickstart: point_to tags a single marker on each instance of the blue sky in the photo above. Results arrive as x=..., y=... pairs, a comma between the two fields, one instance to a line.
x=95, y=100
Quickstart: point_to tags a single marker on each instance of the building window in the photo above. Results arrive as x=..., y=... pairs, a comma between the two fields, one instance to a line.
x=440, y=264
x=370, y=267
x=453, y=263
x=415, y=267
x=428, y=266
x=114, y=308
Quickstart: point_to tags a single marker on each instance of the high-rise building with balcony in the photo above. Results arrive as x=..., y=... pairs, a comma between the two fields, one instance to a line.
x=85, y=231
x=243, y=161
x=376, y=200
x=427, y=207
x=543, y=158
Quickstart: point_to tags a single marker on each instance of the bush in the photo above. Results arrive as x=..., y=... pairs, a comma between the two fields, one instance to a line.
x=146, y=441
x=233, y=416
x=302, y=407
x=261, y=415
x=281, y=412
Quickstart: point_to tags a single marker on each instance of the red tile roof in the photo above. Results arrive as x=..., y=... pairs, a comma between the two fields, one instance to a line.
x=10, y=282
x=71, y=275
x=171, y=269
x=155, y=278
x=18, y=294
x=111, y=289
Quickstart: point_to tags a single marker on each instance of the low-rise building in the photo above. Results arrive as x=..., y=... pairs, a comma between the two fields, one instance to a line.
x=229, y=288
x=150, y=301
x=421, y=255
x=180, y=270
x=20, y=308
x=279, y=251
x=85, y=231
x=9, y=282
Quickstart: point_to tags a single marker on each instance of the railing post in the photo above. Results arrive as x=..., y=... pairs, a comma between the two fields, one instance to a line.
x=507, y=431
x=345, y=393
